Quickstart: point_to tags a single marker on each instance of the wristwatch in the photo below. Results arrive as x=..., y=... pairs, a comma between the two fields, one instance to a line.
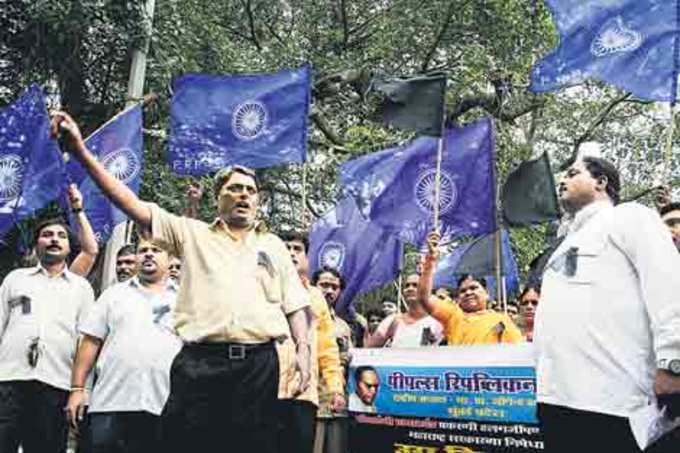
x=672, y=366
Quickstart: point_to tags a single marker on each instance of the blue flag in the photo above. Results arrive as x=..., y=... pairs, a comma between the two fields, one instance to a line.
x=626, y=43
x=477, y=257
x=255, y=120
x=394, y=188
x=118, y=146
x=365, y=255
x=31, y=166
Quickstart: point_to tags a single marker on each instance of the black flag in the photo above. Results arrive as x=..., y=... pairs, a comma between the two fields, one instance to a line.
x=414, y=104
x=529, y=194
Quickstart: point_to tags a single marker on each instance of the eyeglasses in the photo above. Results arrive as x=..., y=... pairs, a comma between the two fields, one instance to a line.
x=672, y=223
x=175, y=267
x=370, y=386
x=241, y=188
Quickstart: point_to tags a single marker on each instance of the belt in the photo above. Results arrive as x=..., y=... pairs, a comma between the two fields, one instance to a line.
x=235, y=351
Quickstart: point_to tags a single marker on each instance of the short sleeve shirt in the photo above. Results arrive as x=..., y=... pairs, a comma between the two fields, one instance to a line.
x=133, y=368
x=44, y=311
x=230, y=290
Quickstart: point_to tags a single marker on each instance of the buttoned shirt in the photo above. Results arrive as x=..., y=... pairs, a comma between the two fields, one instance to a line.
x=133, y=367
x=230, y=289
x=610, y=308
x=484, y=327
x=44, y=310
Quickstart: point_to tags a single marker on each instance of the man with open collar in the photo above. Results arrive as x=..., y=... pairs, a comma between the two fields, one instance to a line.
x=239, y=293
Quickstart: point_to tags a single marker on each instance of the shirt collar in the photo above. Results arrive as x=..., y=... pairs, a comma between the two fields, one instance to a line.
x=585, y=214
x=220, y=225
x=135, y=283
x=39, y=269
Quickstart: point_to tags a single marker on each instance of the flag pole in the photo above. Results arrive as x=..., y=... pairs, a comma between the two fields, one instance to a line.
x=304, y=196
x=668, y=154
x=440, y=152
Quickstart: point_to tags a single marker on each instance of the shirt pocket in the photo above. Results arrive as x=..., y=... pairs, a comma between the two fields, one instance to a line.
x=588, y=262
x=269, y=279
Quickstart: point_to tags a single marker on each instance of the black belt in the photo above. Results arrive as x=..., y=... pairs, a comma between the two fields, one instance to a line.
x=236, y=351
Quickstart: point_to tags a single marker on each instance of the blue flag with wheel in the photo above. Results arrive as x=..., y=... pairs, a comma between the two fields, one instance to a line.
x=118, y=146
x=252, y=120
x=395, y=188
x=31, y=166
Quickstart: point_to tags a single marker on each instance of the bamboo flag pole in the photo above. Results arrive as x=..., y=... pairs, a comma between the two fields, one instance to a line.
x=438, y=172
x=668, y=149
x=305, y=224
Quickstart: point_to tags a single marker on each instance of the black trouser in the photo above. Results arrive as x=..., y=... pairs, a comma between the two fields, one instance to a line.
x=297, y=425
x=122, y=432
x=32, y=415
x=569, y=430
x=222, y=398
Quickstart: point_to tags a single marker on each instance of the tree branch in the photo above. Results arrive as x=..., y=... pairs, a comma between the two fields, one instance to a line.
x=489, y=103
x=251, y=24
x=599, y=120
x=325, y=128
x=438, y=39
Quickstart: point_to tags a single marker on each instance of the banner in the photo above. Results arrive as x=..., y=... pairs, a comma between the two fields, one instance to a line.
x=444, y=400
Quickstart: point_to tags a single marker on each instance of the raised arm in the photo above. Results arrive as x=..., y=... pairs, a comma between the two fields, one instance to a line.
x=427, y=276
x=89, y=248
x=124, y=198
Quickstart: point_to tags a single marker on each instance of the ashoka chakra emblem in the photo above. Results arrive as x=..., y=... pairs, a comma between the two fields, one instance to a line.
x=11, y=175
x=249, y=120
x=123, y=163
x=425, y=189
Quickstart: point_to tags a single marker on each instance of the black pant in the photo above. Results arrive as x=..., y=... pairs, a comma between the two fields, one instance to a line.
x=222, y=398
x=122, y=432
x=297, y=425
x=32, y=415
x=569, y=430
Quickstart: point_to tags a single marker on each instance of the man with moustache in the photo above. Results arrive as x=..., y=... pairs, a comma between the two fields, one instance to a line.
x=128, y=335
x=670, y=214
x=126, y=262
x=40, y=308
x=298, y=414
x=332, y=425
x=239, y=294
x=607, y=331
x=412, y=329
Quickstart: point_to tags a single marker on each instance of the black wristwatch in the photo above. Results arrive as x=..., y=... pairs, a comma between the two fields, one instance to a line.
x=672, y=366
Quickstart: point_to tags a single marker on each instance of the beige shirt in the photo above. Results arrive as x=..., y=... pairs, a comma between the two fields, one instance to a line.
x=230, y=290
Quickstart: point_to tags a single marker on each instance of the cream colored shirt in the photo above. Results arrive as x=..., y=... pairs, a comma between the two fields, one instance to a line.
x=230, y=290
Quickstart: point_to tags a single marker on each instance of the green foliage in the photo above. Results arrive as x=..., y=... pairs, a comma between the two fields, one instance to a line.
x=81, y=50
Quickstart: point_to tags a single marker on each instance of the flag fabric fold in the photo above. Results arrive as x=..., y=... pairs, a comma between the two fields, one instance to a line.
x=118, y=145
x=478, y=257
x=31, y=167
x=364, y=254
x=631, y=44
x=252, y=120
x=529, y=194
x=414, y=104
x=395, y=188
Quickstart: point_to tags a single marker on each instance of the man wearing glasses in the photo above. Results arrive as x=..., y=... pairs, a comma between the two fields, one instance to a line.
x=239, y=294
x=607, y=329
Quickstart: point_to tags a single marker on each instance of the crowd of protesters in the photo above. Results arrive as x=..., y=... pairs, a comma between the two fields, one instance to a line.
x=215, y=334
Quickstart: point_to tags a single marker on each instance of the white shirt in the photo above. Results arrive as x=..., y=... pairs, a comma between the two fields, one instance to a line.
x=600, y=332
x=133, y=368
x=411, y=335
x=50, y=318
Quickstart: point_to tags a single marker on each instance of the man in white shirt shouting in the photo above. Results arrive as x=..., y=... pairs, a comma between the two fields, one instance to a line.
x=607, y=330
x=128, y=333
